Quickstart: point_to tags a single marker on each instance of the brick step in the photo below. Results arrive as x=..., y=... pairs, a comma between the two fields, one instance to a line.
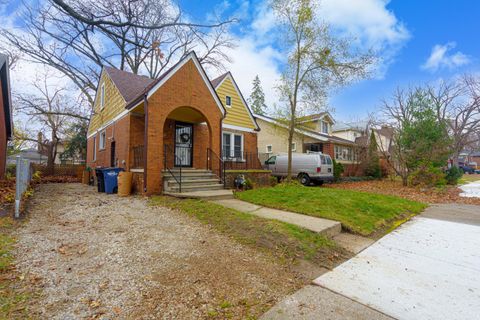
x=185, y=182
x=196, y=187
x=187, y=170
x=191, y=176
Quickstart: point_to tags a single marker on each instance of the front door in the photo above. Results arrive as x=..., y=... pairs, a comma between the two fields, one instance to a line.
x=183, y=144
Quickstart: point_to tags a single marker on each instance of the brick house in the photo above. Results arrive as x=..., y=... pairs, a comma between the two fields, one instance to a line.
x=6, y=126
x=153, y=127
x=314, y=133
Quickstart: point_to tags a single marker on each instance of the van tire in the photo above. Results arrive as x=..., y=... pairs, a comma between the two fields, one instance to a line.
x=304, y=179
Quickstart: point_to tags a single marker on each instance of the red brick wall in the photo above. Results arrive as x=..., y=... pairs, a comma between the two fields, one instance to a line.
x=185, y=88
x=3, y=137
x=118, y=132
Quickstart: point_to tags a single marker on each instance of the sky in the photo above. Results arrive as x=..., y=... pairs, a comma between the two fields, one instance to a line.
x=416, y=41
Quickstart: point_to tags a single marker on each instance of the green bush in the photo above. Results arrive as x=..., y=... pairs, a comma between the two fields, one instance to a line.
x=428, y=176
x=453, y=174
x=337, y=170
x=248, y=184
x=273, y=181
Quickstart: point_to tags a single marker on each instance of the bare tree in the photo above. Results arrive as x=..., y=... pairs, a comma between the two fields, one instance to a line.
x=52, y=110
x=143, y=36
x=457, y=103
x=316, y=62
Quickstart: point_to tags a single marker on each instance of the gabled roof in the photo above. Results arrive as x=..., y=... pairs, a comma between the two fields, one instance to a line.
x=215, y=82
x=354, y=126
x=7, y=98
x=307, y=132
x=315, y=117
x=219, y=80
x=129, y=84
x=158, y=83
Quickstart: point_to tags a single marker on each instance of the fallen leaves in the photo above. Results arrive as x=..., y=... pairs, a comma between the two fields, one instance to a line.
x=448, y=194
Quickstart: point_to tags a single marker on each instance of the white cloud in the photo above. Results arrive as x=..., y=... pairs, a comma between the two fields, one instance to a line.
x=368, y=21
x=371, y=24
x=249, y=60
x=442, y=57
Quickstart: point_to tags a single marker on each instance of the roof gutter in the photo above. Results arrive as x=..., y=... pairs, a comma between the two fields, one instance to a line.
x=145, y=142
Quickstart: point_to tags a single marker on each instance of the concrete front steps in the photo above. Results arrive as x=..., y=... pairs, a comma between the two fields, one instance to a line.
x=196, y=183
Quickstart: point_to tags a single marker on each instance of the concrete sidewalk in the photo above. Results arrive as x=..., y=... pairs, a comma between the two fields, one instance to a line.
x=326, y=227
x=314, y=302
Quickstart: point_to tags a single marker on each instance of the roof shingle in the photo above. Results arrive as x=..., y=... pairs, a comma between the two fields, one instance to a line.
x=129, y=84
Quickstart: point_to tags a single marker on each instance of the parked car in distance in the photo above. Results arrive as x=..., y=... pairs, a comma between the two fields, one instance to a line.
x=467, y=169
x=307, y=167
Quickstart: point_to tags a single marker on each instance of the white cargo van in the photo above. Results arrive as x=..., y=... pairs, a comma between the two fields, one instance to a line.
x=307, y=167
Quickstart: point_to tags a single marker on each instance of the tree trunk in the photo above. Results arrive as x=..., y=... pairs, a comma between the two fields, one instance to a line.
x=290, y=141
x=50, y=158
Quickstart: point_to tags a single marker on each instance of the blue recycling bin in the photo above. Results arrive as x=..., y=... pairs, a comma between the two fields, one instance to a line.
x=110, y=179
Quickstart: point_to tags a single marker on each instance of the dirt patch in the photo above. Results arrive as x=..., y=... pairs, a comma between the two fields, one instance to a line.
x=101, y=256
x=449, y=194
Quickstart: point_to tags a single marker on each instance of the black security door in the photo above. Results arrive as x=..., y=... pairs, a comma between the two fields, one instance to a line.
x=183, y=144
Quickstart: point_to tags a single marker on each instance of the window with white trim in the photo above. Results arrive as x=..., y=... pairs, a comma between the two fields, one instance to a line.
x=103, y=140
x=94, y=148
x=344, y=153
x=228, y=101
x=232, y=146
x=102, y=96
x=294, y=146
x=325, y=127
x=269, y=148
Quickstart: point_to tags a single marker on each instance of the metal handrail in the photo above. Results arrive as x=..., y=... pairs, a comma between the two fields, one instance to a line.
x=166, y=149
x=221, y=166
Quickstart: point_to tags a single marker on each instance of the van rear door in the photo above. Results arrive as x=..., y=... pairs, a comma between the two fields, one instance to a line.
x=326, y=165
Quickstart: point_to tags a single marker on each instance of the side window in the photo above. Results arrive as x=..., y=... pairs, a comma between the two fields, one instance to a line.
x=329, y=160
x=271, y=160
x=324, y=159
x=103, y=140
x=228, y=101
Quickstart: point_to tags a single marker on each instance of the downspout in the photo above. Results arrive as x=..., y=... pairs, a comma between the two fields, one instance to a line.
x=145, y=142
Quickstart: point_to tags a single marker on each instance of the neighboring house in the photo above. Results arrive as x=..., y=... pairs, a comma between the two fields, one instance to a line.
x=470, y=158
x=30, y=154
x=150, y=126
x=6, y=126
x=59, y=158
x=350, y=131
x=314, y=134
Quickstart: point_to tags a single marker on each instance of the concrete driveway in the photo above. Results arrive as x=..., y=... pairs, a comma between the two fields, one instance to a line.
x=429, y=268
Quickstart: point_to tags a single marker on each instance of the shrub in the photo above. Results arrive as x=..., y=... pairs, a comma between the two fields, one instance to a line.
x=453, y=174
x=428, y=176
x=272, y=181
x=248, y=184
x=337, y=170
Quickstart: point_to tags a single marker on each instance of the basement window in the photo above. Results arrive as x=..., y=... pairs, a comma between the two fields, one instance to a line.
x=269, y=148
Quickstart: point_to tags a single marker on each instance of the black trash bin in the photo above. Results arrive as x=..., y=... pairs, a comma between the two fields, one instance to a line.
x=100, y=180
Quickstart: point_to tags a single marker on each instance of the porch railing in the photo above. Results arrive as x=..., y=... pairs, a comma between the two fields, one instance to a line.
x=177, y=161
x=239, y=160
x=216, y=165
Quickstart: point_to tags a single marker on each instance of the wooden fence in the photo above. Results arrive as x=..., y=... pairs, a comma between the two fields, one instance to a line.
x=72, y=170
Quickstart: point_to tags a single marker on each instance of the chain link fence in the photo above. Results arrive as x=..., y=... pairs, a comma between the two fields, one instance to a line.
x=23, y=177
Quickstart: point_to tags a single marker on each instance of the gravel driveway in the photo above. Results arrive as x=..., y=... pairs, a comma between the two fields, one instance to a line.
x=94, y=255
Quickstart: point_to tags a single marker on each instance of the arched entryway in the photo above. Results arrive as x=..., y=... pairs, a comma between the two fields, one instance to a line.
x=187, y=135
